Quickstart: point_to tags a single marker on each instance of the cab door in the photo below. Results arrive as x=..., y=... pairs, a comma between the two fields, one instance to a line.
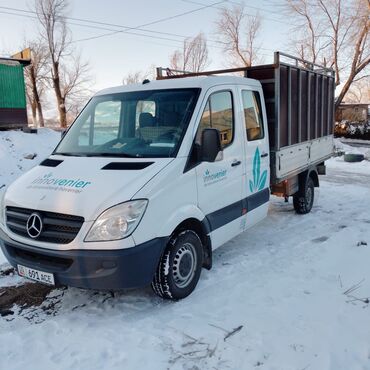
x=219, y=183
x=256, y=181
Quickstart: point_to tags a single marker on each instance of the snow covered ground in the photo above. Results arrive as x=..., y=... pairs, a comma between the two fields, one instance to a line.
x=290, y=294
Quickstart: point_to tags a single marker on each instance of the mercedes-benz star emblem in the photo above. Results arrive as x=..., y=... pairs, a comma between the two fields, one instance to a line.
x=34, y=225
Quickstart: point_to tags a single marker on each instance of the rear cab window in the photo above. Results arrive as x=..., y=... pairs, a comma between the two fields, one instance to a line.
x=252, y=115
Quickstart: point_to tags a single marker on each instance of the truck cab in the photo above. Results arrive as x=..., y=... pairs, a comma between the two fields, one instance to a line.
x=146, y=183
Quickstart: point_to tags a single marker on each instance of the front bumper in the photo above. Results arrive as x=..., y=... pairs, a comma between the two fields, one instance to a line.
x=92, y=269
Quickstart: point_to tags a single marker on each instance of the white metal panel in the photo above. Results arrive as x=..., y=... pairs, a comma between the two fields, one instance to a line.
x=321, y=148
x=294, y=158
x=79, y=186
x=172, y=199
x=225, y=233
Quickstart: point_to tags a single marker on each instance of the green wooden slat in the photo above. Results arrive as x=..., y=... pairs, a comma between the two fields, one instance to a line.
x=12, y=89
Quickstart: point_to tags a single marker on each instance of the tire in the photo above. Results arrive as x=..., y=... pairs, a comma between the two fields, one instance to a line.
x=303, y=199
x=180, y=266
x=353, y=157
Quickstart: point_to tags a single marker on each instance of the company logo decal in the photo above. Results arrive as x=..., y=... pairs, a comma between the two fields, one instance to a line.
x=210, y=178
x=34, y=225
x=52, y=183
x=259, y=180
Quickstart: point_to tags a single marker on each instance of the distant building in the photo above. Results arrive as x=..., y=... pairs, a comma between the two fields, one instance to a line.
x=353, y=112
x=13, y=109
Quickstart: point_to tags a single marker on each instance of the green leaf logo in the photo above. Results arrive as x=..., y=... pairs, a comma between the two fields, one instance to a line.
x=259, y=181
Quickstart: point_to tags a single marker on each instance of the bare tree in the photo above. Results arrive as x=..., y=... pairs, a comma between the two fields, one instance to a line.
x=75, y=87
x=36, y=79
x=136, y=77
x=68, y=73
x=239, y=35
x=359, y=91
x=360, y=50
x=193, y=57
x=338, y=36
x=133, y=78
x=308, y=42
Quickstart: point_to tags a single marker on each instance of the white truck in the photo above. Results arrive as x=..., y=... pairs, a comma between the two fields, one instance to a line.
x=152, y=177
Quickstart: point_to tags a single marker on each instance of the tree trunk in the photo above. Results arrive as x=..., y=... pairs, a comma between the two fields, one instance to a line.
x=357, y=64
x=36, y=98
x=60, y=98
x=40, y=113
x=33, y=109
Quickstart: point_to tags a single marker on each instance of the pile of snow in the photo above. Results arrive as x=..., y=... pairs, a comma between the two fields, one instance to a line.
x=290, y=294
x=20, y=151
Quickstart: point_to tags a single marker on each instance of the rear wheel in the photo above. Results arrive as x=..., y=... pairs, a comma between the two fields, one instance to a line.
x=303, y=199
x=180, y=266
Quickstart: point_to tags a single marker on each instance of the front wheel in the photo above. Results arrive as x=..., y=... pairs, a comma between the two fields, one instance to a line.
x=303, y=199
x=180, y=266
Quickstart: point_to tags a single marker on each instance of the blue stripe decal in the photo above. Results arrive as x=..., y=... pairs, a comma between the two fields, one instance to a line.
x=233, y=211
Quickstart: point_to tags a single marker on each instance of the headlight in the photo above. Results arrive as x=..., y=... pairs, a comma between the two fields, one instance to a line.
x=2, y=208
x=117, y=222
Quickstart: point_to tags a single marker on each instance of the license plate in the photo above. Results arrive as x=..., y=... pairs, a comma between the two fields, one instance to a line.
x=37, y=275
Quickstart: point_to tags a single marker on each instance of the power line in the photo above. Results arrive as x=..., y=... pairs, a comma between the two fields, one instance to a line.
x=87, y=26
x=156, y=22
x=126, y=29
x=90, y=21
x=32, y=15
x=247, y=6
x=107, y=29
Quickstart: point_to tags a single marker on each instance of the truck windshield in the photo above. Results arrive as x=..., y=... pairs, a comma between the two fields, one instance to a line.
x=133, y=124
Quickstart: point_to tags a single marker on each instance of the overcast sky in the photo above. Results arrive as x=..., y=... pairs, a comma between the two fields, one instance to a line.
x=113, y=56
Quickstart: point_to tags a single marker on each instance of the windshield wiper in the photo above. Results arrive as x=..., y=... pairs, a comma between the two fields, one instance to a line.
x=69, y=154
x=122, y=155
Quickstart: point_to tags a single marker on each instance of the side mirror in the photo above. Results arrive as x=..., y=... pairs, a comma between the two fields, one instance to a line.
x=211, y=145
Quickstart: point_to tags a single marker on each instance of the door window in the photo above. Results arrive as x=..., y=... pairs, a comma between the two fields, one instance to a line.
x=218, y=114
x=252, y=115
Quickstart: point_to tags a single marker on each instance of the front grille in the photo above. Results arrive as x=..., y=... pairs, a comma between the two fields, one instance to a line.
x=57, y=227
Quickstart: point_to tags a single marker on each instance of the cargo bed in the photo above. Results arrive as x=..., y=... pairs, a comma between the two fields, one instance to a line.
x=299, y=98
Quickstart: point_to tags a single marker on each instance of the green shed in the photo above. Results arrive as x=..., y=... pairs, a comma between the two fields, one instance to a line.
x=13, y=107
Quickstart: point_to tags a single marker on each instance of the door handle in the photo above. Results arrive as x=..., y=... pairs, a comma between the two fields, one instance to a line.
x=235, y=163
x=264, y=155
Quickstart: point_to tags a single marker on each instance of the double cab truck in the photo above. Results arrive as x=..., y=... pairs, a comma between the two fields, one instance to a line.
x=151, y=178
